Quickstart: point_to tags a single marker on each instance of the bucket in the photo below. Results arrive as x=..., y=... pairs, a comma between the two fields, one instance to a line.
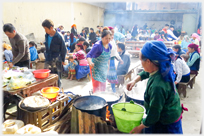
x=127, y=120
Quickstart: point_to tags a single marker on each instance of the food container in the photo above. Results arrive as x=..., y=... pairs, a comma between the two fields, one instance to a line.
x=50, y=92
x=41, y=73
x=127, y=120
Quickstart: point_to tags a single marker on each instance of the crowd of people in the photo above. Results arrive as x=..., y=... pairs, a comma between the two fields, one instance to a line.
x=78, y=45
x=95, y=53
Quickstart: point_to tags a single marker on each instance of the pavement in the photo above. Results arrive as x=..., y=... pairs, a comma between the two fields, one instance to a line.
x=191, y=121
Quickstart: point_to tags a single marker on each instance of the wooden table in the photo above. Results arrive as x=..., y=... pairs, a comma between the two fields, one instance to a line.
x=139, y=44
x=52, y=80
x=10, y=96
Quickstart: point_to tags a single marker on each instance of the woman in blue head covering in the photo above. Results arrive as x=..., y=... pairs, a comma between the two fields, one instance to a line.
x=161, y=99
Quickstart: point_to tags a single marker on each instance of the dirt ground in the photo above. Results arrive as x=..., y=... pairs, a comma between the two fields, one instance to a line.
x=192, y=118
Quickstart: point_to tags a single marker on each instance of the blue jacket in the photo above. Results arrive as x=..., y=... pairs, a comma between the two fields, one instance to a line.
x=118, y=36
x=57, y=48
x=33, y=53
x=8, y=55
x=184, y=44
x=83, y=35
x=122, y=69
x=66, y=39
x=180, y=52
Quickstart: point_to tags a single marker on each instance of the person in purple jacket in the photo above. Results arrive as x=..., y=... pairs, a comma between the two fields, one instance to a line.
x=157, y=36
x=98, y=59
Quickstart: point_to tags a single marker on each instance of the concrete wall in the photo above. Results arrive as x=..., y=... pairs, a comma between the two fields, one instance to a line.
x=166, y=5
x=156, y=20
x=87, y=15
x=110, y=20
x=153, y=20
x=27, y=17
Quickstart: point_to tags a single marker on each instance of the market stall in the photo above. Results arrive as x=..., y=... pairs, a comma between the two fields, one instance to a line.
x=21, y=83
x=56, y=112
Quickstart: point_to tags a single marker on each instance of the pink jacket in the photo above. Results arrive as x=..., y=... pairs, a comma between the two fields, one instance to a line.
x=81, y=57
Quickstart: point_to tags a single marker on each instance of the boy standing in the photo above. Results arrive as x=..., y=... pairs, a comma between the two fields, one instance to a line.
x=129, y=36
x=55, y=49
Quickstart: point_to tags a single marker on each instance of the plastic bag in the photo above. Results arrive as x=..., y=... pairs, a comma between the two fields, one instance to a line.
x=16, y=83
x=17, y=79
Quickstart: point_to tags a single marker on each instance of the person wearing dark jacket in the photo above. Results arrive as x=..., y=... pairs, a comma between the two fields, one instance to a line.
x=86, y=46
x=92, y=37
x=194, y=58
x=83, y=33
x=178, y=50
x=74, y=30
x=55, y=49
x=122, y=69
x=134, y=31
x=80, y=41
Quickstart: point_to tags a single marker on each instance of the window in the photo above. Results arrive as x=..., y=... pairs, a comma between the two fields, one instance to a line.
x=128, y=5
x=131, y=5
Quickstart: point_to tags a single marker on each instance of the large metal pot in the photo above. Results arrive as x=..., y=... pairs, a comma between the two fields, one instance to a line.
x=92, y=105
x=110, y=98
x=136, y=100
x=137, y=93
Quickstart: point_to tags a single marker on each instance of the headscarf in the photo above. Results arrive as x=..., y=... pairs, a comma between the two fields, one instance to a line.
x=7, y=46
x=172, y=54
x=153, y=31
x=80, y=46
x=195, y=46
x=110, y=28
x=196, y=36
x=160, y=39
x=74, y=25
x=187, y=39
x=157, y=51
x=59, y=25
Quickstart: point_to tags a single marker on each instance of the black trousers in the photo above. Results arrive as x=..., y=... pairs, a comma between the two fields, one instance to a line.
x=23, y=64
x=56, y=68
x=184, y=79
